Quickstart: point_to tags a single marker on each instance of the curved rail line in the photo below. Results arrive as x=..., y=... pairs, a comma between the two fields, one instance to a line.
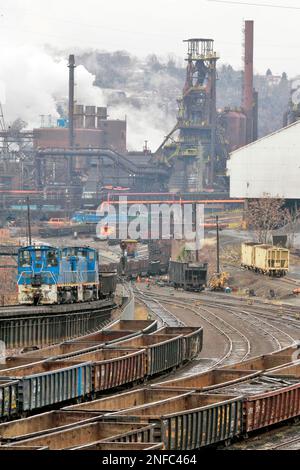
x=280, y=337
x=257, y=313
x=10, y=312
x=239, y=346
x=165, y=316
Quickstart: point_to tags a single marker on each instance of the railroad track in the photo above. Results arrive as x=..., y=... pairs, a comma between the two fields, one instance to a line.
x=238, y=344
x=165, y=316
x=266, y=310
x=291, y=444
x=22, y=310
x=279, y=337
x=45, y=330
x=198, y=418
x=45, y=325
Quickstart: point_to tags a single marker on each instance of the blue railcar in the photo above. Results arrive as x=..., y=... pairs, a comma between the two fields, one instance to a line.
x=49, y=275
x=86, y=217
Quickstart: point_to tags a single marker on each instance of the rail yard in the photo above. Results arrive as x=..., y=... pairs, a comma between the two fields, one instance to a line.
x=217, y=349
x=149, y=236
x=160, y=361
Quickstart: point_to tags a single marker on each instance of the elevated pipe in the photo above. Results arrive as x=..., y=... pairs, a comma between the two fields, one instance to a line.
x=118, y=158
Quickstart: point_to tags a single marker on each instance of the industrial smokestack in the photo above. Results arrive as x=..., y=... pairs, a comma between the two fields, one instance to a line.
x=248, y=98
x=255, y=115
x=71, y=66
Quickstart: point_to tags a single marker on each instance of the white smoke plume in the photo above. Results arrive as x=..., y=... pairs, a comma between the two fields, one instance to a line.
x=33, y=80
x=147, y=123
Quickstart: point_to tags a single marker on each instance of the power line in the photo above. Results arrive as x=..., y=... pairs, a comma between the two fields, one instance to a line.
x=255, y=4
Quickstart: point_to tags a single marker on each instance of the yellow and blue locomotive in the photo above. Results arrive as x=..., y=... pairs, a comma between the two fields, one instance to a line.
x=49, y=275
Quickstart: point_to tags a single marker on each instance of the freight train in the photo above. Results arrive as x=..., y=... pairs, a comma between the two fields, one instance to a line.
x=50, y=275
x=93, y=364
x=210, y=408
x=265, y=259
x=188, y=276
x=157, y=262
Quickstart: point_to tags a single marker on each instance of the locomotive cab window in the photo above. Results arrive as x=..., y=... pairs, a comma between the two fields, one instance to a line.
x=24, y=258
x=52, y=258
x=38, y=258
x=38, y=255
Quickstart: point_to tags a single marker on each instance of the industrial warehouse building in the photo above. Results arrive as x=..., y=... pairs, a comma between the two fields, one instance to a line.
x=270, y=166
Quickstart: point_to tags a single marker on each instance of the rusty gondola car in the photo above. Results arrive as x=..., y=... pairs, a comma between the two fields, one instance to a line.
x=97, y=362
x=190, y=420
x=41, y=424
x=162, y=352
x=8, y=398
x=123, y=401
x=91, y=433
x=107, y=284
x=188, y=276
x=192, y=338
x=232, y=402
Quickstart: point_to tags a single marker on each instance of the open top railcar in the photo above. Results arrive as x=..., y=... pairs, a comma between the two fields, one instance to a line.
x=189, y=276
x=265, y=259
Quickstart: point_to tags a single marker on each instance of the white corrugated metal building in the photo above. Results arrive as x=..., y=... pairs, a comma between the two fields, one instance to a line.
x=270, y=166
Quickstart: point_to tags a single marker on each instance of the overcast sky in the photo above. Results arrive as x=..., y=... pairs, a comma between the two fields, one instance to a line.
x=157, y=26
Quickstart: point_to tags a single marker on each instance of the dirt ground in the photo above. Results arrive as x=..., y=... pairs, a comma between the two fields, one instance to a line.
x=8, y=273
x=262, y=286
x=242, y=280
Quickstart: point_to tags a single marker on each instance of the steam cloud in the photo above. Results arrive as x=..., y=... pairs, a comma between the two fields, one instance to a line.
x=148, y=123
x=33, y=81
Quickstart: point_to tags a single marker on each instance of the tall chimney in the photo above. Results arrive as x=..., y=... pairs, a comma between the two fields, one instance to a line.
x=248, y=98
x=255, y=115
x=71, y=66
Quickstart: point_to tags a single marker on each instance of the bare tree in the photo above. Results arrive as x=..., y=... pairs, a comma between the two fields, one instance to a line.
x=292, y=220
x=265, y=215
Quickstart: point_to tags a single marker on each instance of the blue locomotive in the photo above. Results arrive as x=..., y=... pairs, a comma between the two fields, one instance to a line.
x=49, y=275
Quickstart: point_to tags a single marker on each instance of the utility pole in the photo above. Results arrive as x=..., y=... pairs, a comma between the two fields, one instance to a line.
x=28, y=222
x=218, y=245
x=123, y=260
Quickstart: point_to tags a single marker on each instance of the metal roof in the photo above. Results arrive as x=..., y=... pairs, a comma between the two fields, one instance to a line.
x=268, y=167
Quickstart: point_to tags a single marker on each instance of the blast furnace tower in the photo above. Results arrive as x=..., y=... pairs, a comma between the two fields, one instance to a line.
x=192, y=154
